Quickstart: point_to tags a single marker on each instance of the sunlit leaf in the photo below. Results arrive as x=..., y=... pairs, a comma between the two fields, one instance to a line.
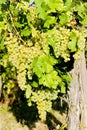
x=25, y=31
x=63, y=18
x=2, y=1
x=72, y=44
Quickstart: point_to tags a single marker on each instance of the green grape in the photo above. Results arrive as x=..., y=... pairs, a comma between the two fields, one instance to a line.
x=28, y=91
x=77, y=55
x=43, y=107
x=61, y=45
x=21, y=78
x=81, y=43
x=43, y=99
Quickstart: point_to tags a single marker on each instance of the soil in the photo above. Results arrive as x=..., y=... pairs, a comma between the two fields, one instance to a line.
x=8, y=121
x=19, y=116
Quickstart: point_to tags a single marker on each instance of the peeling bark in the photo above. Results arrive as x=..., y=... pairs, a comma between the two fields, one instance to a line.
x=77, y=116
x=0, y=86
x=74, y=110
x=83, y=93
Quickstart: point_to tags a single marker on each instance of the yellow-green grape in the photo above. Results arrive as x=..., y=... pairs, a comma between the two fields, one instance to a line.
x=28, y=91
x=22, y=5
x=21, y=57
x=66, y=56
x=63, y=37
x=43, y=100
x=21, y=78
x=40, y=95
x=29, y=73
x=44, y=107
x=44, y=44
x=81, y=42
x=45, y=48
x=77, y=55
x=61, y=47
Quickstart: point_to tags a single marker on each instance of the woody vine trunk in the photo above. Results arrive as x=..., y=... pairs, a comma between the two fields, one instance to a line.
x=77, y=116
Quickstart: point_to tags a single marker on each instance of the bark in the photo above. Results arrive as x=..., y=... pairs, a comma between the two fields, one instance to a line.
x=83, y=94
x=0, y=86
x=77, y=116
x=74, y=110
x=0, y=83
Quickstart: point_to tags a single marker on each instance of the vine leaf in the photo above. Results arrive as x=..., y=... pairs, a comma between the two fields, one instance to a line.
x=43, y=68
x=18, y=25
x=50, y=80
x=50, y=20
x=68, y=5
x=84, y=21
x=25, y=32
x=63, y=18
x=63, y=89
x=34, y=84
x=43, y=64
x=2, y=1
x=73, y=42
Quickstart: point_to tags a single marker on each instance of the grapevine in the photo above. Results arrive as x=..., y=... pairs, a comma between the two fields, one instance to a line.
x=35, y=41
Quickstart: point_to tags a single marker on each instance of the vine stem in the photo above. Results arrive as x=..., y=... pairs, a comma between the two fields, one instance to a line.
x=17, y=33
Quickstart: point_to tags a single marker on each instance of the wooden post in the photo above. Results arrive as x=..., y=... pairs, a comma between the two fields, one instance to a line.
x=77, y=116
x=0, y=86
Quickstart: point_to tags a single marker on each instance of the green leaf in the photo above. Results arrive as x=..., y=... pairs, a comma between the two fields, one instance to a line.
x=43, y=64
x=2, y=47
x=52, y=60
x=14, y=10
x=84, y=21
x=42, y=14
x=38, y=4
x=2, y=1
x=63, y=18
x=35, y=84
x=67, y=78
x=68, y=5
x=18, y=25
x=5, y=56
x=51, y=39
x=81, y=10
x=63, y=89
x=25, y=32
x=57, y=4
x=2, y=25
x=72, y=44
x=49, y=21
x=43, y=68
x=42, y=9
x=50, y=80
x=4, y=76
x=38, y=67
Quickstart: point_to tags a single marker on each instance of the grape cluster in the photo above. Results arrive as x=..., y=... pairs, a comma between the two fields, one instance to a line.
x=44, y=107
x=44, y=44
x=21, y=57
x=43, y=99
x=61, y=39
x=80, y=43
